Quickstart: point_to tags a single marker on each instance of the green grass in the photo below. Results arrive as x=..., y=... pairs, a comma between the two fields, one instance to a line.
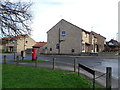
x=29, y=77
x=0, y=76
x=30, y=60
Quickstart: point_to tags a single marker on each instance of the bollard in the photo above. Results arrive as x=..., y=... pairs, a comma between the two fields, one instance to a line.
x=108, y=77
x=17, y=60
x=78, y=70
x=75, y=59
x=14, y=57
x=94, y=82
x=53, y=63
x=4, y=59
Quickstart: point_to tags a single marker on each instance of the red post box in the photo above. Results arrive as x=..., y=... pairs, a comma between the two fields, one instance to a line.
x=34, y=57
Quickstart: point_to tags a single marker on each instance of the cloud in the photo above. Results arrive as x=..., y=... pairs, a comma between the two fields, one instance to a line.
x=17, y=0
x=99, y=14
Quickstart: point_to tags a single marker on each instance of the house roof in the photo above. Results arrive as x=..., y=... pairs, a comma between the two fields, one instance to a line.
x=69, y=23
x=15, y=37
x=113, y=42
x=75, y=26
x=97, y=34
x=40, y=44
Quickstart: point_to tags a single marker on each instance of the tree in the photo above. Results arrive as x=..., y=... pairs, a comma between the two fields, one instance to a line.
x=14, y=18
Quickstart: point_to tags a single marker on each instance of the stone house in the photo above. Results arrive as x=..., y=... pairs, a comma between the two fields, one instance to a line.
x=97, y=42
x=85, y=41
x=17, y=43
x=66, y=38
x=112, y=46
x=41, y=47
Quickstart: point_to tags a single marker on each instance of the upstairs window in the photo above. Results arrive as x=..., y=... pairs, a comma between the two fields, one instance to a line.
x=63, y=33
x=85, y=35
x=92, y=36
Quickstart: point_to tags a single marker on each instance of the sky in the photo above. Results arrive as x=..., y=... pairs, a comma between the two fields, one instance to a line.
x=100, y=16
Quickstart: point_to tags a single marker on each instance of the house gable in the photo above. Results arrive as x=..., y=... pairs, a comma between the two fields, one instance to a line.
x=18, y=43
x=66, y=32
x=66, y=22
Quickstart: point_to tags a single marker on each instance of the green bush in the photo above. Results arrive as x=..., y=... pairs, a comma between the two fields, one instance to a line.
x=3, y=51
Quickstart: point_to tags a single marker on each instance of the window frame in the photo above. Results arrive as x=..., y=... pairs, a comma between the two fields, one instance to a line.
x=63, y=33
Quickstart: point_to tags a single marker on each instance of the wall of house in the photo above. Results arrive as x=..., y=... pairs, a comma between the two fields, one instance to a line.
x=26, y=43
x=1, y=46
x=72, y=38
x=44, y=49
x=101, y=42
x=85, y=39
x=98, y=40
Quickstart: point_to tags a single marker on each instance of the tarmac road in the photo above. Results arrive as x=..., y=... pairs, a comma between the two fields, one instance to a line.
x=97, y=63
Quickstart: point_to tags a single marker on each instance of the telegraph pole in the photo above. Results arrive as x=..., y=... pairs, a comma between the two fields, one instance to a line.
x=59, y=41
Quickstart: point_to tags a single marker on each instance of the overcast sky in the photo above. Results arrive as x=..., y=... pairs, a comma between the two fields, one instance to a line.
x=100, y=16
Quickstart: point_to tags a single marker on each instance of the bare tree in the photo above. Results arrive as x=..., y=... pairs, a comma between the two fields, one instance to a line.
x=14, y=18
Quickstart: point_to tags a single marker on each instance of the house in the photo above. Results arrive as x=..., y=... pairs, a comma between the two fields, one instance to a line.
x=17, y=43
x=86, y=41
x=41, y=47
x=112, y=45
x=67, y=38
x=64, y=38
x=97, y=42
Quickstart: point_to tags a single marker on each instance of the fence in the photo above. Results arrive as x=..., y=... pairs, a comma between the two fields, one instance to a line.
x=56, y=63
x=53, y=63
x=108, y=75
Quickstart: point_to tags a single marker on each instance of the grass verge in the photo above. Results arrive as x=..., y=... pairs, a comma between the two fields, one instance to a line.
x=28, y=77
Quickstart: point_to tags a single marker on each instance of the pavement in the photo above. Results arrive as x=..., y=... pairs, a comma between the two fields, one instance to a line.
x=67, y=63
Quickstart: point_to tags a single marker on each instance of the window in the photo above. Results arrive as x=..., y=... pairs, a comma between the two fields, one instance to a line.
x=63, y=33
x=85, y=35
x=73, y=50
x=50, y=49
x=57, y=46
x=92, y=47
x=83, y=47
x=45, y=47
x=92, y=36
x=13, y=41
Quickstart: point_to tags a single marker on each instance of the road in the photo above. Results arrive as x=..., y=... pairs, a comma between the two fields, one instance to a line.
x=97, y=63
